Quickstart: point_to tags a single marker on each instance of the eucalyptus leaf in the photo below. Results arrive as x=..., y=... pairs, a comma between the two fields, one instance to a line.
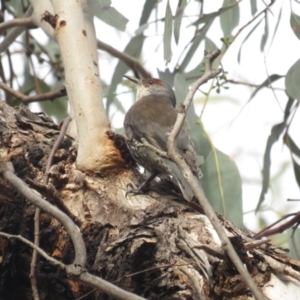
x=265, y=36
x=272, y=78
x=288, y=107
x=229, y=19
x=207, y=18
x=276, y=131
x=133, y=48
x=148, y=7
x=178, y=18
x=291, y=145
x=292, y=80
x=295, y=234
x=167, y=76
x=295, y=24
x=222, y=185
x=181, y=90
x=194, y=46
x=296, y=171
x=168, y=34
x=253, y=7
x=276, y=27
x=103, y=10
x=246, y=38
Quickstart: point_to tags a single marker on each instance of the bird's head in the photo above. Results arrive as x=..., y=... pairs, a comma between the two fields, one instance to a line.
x=153, y=86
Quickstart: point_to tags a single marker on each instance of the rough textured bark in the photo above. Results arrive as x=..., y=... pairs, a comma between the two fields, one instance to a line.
x=153, y=245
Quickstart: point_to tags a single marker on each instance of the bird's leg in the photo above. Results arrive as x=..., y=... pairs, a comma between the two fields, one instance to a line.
x=139, y=190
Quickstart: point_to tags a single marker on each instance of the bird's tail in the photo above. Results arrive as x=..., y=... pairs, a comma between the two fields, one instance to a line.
x=184, y=186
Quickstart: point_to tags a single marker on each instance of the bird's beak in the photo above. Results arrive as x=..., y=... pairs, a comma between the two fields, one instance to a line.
x=135, y=80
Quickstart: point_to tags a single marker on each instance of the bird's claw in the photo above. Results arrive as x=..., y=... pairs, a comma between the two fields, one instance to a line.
x=134, y=191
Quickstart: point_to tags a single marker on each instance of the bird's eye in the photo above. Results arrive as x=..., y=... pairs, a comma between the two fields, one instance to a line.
x=150, y=81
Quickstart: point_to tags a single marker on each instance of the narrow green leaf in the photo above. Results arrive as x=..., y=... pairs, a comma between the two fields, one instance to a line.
x=291, y=145
x=207, y=18
x=168, y=34
x=103, y=10
x=294, y=234
x=246, y=38
x=276, y=27
x=133, y=48
x=288, y=107
x=230, y=18
x=210, y=45
x=295, y=24
x=272, y=78
x=166, y=76
x=195, y=44
x=178, y=18
x=181, y=90
x=265, y=36
x=272, y=139
x=222, y=185
x=148, y=6
x=292, y=80
x=253, y=7
x=296, y=171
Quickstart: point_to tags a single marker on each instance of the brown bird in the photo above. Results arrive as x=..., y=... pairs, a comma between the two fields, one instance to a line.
x=150, y=118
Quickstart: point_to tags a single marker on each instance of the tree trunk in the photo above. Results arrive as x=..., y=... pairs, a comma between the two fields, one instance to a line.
x=153, y=245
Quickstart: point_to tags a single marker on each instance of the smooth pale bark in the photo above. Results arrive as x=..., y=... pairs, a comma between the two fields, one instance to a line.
x=75, y=34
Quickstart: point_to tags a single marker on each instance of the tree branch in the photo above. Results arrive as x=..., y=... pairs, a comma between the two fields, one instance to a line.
x=35, y=98
x=130, y=61
x=24, y=22
x=80, y=251
x=14, y=33
x=83, y=277
x=191, y=180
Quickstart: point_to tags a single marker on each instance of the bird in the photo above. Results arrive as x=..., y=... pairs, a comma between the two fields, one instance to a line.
x=148, y=120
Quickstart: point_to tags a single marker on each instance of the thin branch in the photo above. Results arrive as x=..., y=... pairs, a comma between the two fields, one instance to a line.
x=38, y=210
x=130, y=61
x=84, y=277
x=80, y=251
x=191, y=180
x=24, y=22
x=14, y=33
x=233, y=81
x=226, y=47
x=268, y=231
x=35, y=98
x=52, y=260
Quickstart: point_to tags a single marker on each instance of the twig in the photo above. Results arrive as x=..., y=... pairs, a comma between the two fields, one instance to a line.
x=35, y=98
x=84, y=277
x=151, y=147
x=14, y=33
x=251, y=84
x=80, y=251
x=226, y=47
x=267, y=231
x=130, y=61
x=38, y=211
x=191, y=180
x=24, y=22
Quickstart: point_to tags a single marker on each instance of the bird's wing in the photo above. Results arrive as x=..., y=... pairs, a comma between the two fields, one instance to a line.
x=151, y=119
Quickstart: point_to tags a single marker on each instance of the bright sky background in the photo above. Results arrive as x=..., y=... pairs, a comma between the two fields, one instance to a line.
x=242, y=136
